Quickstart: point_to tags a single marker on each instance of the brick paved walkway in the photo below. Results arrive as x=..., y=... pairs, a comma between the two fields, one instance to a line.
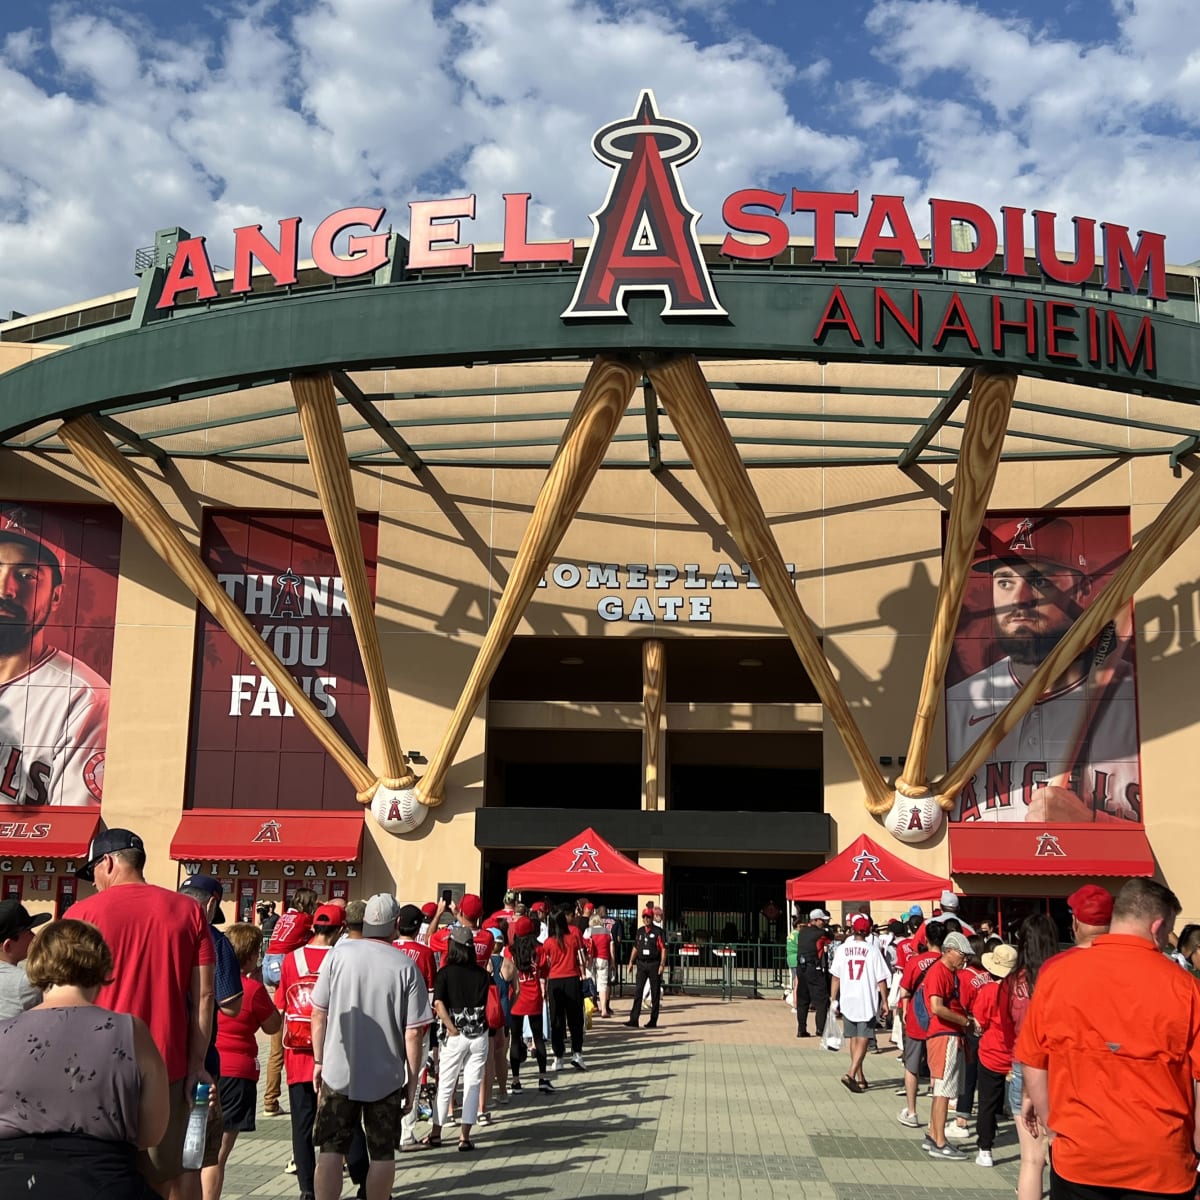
x=722, y=1102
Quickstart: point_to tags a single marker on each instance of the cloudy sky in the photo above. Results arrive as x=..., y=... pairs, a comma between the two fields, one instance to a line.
x=120, y=119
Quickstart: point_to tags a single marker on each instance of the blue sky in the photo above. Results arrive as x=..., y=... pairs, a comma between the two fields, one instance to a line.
x=124, y=118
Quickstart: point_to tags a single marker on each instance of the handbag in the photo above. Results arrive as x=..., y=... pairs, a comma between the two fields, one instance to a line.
x=494, y=1014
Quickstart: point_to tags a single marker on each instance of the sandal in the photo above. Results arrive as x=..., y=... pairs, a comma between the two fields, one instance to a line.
x=431, y=1139
x=466, y=1144
x=861, y=1084
x=849, y=1083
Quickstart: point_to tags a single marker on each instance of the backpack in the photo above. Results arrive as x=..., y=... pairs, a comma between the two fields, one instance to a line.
x=920, y=1006
x=297, y=1008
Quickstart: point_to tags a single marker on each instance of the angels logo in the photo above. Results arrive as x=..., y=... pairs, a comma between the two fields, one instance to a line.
x=288, y=601
x=866, y=869
x=1023, y=535
x=268, y=833
x=1048, y=847
x=645, y=234
x=585, y=860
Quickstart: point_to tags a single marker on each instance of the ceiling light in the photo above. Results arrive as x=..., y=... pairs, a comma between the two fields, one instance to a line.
x=571, y=662
x=750, y=662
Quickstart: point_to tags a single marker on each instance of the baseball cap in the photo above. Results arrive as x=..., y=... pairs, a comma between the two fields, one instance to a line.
x=648, y=912
x=818, y=914
x=860, y=923
x=410, y=917
x=32, y=530
x=949, y=901
x=1038, y=540
x=462, y=935
x=1091, y=905
x=427, y=910
x=15, y=919
x=538, y=906
x=210, y=887
x=471, y=907
x=915, y=911
x=329, y=916
x=956, y=941
x=355, y=910
x=522, y=927
x=1000, y=961
x=379, y=917
x=111, y=841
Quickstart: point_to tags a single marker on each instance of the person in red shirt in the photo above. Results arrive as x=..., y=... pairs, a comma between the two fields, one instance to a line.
x=600, y=955
x=469, y=912
x=408, y=923
x=996, y=1039
x=914, y=1035
x=563, y=960
x=971, y=980
x=237, y=1045
x=948, y=1020
x=1110, y=1050
x=522, y=966
x=305, y=961
x=163, y=972
x=289, y=932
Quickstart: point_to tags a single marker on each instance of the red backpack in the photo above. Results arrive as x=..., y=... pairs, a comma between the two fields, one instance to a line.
x=297, y=1008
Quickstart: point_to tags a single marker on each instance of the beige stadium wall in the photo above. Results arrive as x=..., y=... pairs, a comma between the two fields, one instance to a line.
x=866, y=542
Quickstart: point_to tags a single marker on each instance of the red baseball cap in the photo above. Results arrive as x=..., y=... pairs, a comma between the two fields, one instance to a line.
x=1091, y=905
x=427, y=910
x=860, y=923
x=538, y=906
x=522, y=927
x=1035, y=539
x=471, y=907
x=329, y=916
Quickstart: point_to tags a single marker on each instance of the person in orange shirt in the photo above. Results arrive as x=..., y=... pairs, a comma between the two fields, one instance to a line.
x=1111, y=1054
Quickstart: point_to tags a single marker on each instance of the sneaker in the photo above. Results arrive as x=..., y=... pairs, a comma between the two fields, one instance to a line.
x=544, y=1085
x=290, y=1169
x=501, y=1097
x=909, y=1119
x=927, y=1143
x=274, y=1110
x=953, y=1153
x=576, y=1060
x=957, y=1133
x=984, y=1159
x=515, y=1087
x=555, y=1064
x=901, y=1091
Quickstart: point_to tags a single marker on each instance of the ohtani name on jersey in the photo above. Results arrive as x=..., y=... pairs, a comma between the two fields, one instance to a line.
x=998, y=790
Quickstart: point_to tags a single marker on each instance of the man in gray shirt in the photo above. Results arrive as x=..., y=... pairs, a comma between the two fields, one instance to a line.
x=16, y=936
x=370, y=1007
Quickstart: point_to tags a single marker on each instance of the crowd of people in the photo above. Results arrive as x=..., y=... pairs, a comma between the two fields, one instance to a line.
x=142, y=1008
x=1093, y=1051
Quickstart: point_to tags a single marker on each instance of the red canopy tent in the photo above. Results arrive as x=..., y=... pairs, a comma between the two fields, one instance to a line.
x=866, y=871
x=585, y=863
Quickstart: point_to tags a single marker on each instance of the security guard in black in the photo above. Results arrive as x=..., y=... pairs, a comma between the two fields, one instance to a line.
x=650, y=958
x=812, y=989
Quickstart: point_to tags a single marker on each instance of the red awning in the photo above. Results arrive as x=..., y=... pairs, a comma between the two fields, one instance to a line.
x=47, y=832
x=268, y=835
x=586, y=863
x=866, y=871
x=982, y=848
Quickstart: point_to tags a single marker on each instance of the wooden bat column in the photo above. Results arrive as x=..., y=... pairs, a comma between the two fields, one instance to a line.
x=598, y=412
x=326, y=446
x=1169, y=530
x=689, y=402
x=654, y=695
x=114, y=474
x=982, y=441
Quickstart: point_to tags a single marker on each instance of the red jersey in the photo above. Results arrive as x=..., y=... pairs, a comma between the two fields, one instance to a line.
x=971, y=981
x=156, y=938
x=298, y=1063
x=291, y=932
x=905, y=949
x=908, y=982
x=561, y=961
x=599, y=944
x=940, y=981
x=999, y=1035
x=422, y=955
x=485, y=945
x=237, y=1040
x=528, y=1000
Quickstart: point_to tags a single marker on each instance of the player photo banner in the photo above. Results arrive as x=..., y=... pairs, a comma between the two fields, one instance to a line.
x=248, y=749
x=59, y=565
x=1076, y=753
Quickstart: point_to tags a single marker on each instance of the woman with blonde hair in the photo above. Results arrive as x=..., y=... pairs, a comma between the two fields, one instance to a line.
x=83, y=1089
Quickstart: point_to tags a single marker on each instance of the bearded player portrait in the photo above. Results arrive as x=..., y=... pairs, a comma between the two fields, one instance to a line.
x=1074, y=756
x=53, y=706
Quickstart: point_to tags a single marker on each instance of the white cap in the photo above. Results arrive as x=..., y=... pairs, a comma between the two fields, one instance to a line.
x=818, y=914
x=379, y=916
x=950, y=900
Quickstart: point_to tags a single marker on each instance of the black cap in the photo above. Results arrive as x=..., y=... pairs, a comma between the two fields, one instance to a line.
x=15, y=919
x=410, y=917
x=211, y=887
x=111, y=841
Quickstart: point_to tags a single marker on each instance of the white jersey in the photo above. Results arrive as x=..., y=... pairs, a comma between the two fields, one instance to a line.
x=53, y=725
x=1037, y=749
x=860, y=968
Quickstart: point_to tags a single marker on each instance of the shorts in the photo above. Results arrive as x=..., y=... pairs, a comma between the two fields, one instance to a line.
x=239, y=1099
x=338, y=1117
x=857, y=1029
x=1016, y=1090
x=914, y=1055
x=600, y=971
x=214, y=1130
x=946, y=1065
x=165, y=1161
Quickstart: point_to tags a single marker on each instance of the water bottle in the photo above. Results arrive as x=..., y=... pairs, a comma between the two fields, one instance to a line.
x=197, y=1126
